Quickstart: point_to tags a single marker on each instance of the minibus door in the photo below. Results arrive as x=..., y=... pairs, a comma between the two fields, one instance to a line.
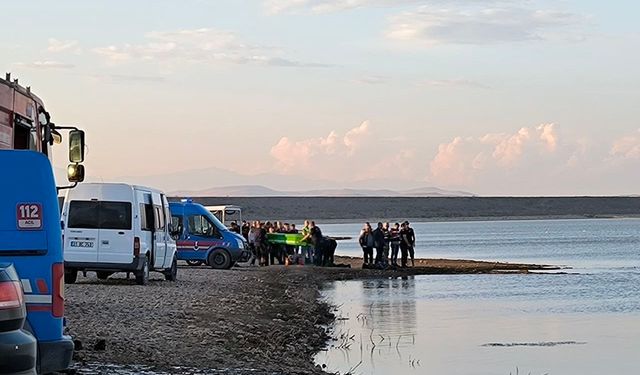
x=159, y=235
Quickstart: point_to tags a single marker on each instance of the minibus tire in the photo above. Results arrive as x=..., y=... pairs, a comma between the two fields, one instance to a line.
x=70, y=276
x=172, y=273
x=194, y=262
x=142, y=276
x=219, y=259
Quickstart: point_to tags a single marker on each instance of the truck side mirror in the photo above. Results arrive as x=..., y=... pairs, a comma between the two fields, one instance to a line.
x=75, y=173
x=76, y=147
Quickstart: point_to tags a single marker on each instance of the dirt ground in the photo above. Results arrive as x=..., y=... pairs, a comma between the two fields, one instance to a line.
x=245, y=320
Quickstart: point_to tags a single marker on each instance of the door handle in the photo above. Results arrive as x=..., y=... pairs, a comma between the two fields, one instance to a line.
x=122, y=233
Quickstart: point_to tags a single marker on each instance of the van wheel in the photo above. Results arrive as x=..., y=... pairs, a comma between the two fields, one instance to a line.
x=103, y=275
x=194, y=262
x=70, y=276
x=142, y=276
x=172, y=273
x=219, y=259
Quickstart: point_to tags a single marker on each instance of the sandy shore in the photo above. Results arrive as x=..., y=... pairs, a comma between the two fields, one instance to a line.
x=246, y=320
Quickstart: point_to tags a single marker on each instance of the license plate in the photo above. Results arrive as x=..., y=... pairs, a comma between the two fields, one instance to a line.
x=82, y=244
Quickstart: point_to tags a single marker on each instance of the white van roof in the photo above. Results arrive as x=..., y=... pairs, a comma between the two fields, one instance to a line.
x=106, y=190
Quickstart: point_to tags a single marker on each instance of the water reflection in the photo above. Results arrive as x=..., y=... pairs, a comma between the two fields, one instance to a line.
x=426, y=325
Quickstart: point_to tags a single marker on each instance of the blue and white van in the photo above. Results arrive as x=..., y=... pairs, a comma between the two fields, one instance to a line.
x=202, y=239
x=31, y=240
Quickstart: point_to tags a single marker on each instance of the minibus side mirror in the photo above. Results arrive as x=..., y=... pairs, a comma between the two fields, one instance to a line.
x=75, y=173
x=76, y=146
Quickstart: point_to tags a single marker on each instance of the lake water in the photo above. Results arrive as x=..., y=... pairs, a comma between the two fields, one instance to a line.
x=584, y=322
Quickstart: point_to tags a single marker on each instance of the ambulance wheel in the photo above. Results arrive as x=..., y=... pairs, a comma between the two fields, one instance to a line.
x=194, y=262
x=172, y=273
x=219, y=259
x=142, y=276
x=70, y=276
x=103, y=275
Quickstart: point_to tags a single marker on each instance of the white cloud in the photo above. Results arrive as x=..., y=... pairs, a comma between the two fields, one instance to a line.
x=204, y=46
x=327, y=6
x=627, y=147
x=45, y=64
x=480, y=24
x=455, y=83
x=461, y=160
x=56, y=45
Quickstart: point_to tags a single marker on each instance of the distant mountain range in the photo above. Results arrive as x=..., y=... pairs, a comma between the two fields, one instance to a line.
x=262, y=191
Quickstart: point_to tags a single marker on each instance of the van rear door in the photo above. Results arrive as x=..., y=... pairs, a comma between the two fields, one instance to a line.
x=116, y=234
x=82, y=231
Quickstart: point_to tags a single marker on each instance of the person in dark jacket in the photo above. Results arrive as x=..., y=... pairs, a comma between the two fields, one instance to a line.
x=378, y=239
x=394, y=234
x=367, y=243
x=407, y=244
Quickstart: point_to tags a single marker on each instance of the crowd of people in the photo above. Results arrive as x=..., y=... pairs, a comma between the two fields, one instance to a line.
x=317, y=249
x=399, y=238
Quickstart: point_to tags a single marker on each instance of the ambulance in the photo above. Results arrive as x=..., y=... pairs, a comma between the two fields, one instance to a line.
x=31, y=236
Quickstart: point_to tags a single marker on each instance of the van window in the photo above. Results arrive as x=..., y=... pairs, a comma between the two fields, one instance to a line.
x=159, y=218
x=147, y=218
x=100, y=215
x=200, y=226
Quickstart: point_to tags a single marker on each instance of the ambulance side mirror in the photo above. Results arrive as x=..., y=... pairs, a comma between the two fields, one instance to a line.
x=76, y=147
x=75, y=173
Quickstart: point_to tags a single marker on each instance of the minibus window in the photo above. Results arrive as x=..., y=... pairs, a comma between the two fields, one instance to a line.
x=115, y=215
x=83, y=214
x=99, y=215
x=147, y=220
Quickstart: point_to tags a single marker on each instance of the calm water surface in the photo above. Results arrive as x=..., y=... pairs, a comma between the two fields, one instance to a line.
x=586, y=322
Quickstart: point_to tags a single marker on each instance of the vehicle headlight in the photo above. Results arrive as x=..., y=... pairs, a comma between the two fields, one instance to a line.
x=241, y=244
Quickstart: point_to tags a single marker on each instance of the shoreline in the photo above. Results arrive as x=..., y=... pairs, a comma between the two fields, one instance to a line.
x=463, y=219
x=257, y=320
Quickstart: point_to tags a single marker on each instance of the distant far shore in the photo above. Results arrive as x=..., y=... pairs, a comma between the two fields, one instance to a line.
x=423, y=209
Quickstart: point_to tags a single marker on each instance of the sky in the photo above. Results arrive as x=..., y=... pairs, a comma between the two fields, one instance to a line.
x=495, y=97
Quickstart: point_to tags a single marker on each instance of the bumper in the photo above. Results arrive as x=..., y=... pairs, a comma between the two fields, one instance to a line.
x=18, y=353
x=55, y=355
x=241, y=255
x=136, y=265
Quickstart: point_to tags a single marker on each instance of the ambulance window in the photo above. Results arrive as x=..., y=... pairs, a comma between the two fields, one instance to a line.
x=115, y=215
x=83, y=214
x=200, y=226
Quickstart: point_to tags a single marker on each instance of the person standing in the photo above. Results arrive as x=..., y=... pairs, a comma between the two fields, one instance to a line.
x=318, y=243
x=407, y=243
x=367, y=243
x=307, y=250
x=378, y=239
x=394, y=234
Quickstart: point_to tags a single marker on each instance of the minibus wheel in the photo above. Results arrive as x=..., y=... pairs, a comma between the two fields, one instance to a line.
x=219, y=259
x=142, y=276
x=172, y=273
x=70, y=276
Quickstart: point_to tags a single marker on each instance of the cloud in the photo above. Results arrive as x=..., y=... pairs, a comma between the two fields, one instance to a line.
x=328, y=6
x=128, y=78
x=200, y=46
x=371, y=80
x=627, y=147
x=295, y=155
x=461, y=160
x=455, y=83
x=56, y=45
x=46, y=64
x=480, y=24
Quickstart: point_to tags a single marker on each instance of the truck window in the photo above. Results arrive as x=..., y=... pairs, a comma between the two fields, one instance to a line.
x=200, y=226
x=99, y=215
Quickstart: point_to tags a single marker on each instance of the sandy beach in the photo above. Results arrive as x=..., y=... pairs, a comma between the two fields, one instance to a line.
x=247, y=320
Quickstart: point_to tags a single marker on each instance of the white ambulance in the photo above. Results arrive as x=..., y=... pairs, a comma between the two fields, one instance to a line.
x=111, y=227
